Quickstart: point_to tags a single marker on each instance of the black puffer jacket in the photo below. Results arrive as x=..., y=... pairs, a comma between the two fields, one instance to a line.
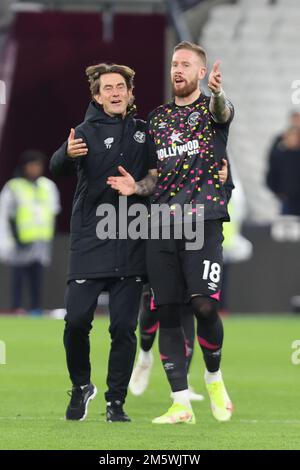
x=111, y=141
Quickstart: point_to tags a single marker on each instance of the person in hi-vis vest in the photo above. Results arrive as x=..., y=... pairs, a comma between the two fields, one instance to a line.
x=29, y=204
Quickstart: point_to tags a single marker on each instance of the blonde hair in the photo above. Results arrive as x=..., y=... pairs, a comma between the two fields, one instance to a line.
x=192, y=47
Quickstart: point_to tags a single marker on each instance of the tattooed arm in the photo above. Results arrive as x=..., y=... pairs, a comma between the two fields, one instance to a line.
x=126, y=184
x=146, y=186
x=220, y=108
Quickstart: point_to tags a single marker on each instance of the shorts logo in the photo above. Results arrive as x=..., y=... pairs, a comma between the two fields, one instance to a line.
x=194, y=119
x=212, y=286
x=108, y=142
x=80, y=281
x=140, y=137
x=216, y=353
x=169, y=366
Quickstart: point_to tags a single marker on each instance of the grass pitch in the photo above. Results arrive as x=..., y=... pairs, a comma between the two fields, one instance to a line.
x=262, y=381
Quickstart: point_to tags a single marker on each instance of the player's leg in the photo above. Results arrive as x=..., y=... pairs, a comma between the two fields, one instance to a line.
x=148, y=326
x=209, y=330
x=168, y=290
x=81, y=301
x=210, y=337
x=124, y=301
x=148, y=322
x=188, y=325
x=173, y=356
x=204, y=292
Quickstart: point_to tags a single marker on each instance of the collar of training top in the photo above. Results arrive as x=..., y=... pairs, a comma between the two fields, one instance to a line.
x=200, y=99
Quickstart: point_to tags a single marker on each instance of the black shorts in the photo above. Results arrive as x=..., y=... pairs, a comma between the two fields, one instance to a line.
x=176, y=274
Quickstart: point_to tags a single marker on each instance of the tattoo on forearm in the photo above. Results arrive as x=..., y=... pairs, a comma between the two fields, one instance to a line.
x=219, y=108
x=146, y=186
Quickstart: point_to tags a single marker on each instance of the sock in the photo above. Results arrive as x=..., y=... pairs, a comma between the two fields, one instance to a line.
x=172, y=353
x=189, y=354
x=211, y=377
x=210, y=335
x=145, y=357
x=148, y=323
x=188, y=325
x=182, y=398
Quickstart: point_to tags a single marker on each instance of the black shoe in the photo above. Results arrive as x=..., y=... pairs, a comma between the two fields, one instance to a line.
x=115, y=413
x=80, y=397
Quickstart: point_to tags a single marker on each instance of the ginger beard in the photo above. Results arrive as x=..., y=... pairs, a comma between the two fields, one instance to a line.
x=181, y=88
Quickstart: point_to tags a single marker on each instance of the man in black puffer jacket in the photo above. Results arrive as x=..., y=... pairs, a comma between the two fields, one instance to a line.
x=108, y=138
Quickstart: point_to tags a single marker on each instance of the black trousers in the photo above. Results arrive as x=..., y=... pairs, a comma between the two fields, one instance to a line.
x=33, y=275
x=81, y=301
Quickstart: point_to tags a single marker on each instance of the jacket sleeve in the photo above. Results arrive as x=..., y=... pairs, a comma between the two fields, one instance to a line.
x=61, y=164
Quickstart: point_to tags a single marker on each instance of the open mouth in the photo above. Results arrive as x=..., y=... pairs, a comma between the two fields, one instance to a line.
x=116, y=102
x=179, y=80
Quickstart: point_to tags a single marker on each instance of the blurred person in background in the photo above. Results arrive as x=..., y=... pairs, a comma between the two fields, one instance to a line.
x=29, y=204
x=293, y=121
x=283, y=173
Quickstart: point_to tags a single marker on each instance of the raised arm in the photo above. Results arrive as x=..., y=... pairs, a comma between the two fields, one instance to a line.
x=64, y=159
x=219, y=106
